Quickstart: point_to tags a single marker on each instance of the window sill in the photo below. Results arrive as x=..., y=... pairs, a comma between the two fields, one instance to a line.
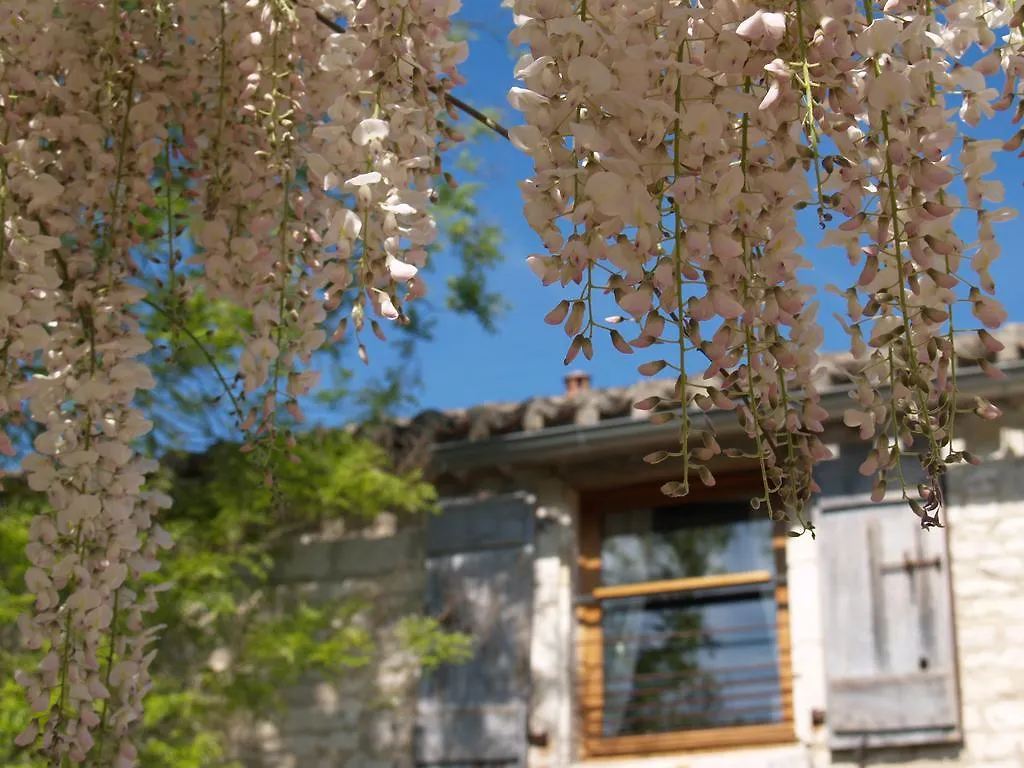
x=713, y=739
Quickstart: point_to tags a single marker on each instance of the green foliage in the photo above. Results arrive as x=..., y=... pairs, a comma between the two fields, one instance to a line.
x=234, y=641
x=475, y=246
x=15, y=514
x=424, y=636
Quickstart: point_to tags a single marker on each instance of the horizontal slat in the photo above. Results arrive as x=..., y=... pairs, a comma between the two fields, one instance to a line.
x=892, y=703
x=634, y=638
x=682, y=585
x=720, y=674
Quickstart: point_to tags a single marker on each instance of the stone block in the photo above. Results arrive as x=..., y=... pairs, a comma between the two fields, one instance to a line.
x=1006, y=717
x=1005, y=662
x=1013, y=631
x=1003, y=566
x=362, y=762
x=304, y=562
x=367, y=590
x=362, y=558
x=327, y=699
x=969, y=587
x=978, y=637
x=990, y=685
x=304, y=746
x=342, y=740
x=990, y=610
x=994, y=746
x=383, y=733
x=972, y=721
x=268, y=737
x=384, y=525
x=282, y=760
x=302, y=721
x=1010, y=531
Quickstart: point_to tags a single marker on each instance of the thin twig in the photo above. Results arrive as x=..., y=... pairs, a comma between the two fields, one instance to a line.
x=455, y=101
x=239, y=413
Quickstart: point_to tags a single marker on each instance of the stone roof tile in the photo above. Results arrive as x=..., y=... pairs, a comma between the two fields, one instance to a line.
x=592, y=406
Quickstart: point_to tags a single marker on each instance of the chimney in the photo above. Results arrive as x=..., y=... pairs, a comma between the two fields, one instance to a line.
x=576, y=383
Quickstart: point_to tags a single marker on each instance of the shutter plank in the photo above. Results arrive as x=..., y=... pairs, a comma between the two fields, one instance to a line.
x=891, y=704
x=888, y=629
x=492, y=734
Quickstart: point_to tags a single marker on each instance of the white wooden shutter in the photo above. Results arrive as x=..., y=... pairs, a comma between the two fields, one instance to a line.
x=480, y=582
x=889, y=642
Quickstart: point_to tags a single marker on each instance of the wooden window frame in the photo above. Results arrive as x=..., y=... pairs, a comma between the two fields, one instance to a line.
x=593, y=506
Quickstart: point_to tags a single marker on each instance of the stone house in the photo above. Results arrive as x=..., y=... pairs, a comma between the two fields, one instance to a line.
x=614, y=626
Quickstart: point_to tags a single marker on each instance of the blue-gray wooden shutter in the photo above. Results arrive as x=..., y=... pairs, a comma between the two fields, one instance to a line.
x=888, y=627
x=480, y=582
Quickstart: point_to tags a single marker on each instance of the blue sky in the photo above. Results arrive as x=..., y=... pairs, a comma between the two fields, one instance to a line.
x=467, y=366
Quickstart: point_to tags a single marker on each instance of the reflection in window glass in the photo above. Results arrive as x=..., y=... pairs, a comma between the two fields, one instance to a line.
x=684, y=542
x=695, y=659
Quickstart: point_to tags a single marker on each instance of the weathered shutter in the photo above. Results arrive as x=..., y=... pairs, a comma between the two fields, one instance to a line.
x=889, y=647
x=480, y=582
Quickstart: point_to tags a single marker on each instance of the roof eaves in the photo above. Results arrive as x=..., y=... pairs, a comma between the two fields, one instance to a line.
x=628, y=434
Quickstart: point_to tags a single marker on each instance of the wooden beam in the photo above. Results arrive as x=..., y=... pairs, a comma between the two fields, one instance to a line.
x=682, y=585
x=730, y=737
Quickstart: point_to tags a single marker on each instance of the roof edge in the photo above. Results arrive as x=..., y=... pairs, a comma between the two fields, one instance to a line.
x=626, y=434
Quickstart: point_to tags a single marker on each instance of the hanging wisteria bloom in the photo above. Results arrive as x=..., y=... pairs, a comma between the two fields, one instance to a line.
x=307, y=139
x=673, y=143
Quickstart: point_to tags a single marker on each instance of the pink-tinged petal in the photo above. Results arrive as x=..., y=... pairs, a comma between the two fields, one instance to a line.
x=27, y=736
x=990, y=312
x=651, y=368
x=752, y=28
x=385, y=305
x=726, y=306
x=991, y=343
x=636, y=302
x=399, y=270
x=574, y=349
x=620, y=343
x=574, y=323
x=365, y=179
x=774, y=92
x=371, y=129
x=774, y=28
x=557, y=315
x=870, y=465
x=594, y=75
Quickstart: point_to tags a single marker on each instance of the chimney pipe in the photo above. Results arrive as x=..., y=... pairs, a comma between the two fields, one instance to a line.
x=576, y=383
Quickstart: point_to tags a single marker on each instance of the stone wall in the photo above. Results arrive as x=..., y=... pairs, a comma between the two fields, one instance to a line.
x=363, y=719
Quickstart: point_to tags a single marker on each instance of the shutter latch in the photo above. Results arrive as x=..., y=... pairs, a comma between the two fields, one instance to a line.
x=910, y=565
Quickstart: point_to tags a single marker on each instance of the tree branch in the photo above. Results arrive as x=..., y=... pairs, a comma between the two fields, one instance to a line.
x=239, y=413
x=456, y=102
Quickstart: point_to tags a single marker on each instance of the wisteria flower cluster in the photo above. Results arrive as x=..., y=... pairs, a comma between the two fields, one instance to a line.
x=673, y=145
x=304, y=139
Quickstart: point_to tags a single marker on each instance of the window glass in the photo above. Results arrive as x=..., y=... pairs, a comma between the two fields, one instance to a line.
x=684, y=542
x=695, y=659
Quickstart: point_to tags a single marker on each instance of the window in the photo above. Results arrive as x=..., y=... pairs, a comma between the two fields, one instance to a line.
x=684, y=637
